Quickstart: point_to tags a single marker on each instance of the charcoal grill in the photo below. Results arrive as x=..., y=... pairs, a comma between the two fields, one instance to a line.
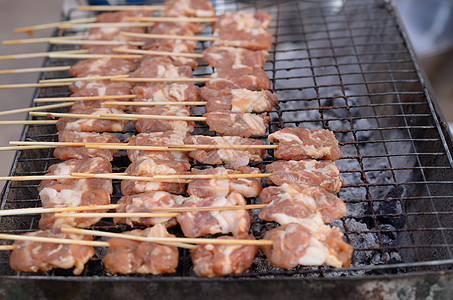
x=346, y=66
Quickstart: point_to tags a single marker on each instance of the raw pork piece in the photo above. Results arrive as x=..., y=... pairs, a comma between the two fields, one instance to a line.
x=301, y=143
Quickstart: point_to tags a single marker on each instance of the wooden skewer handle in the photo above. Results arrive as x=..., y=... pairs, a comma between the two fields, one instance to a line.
x=187, y=79
x=31, y=70
x=51, y=240
x=105, y=25
x=171, y=19
x=90, y=78
x=42, y=40
x=41, y=210
x=120, y=103
x=94, y=98
x=169, y=36
x=166, y=240
x=120, y=7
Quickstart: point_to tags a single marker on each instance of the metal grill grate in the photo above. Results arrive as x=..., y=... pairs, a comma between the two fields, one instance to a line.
x=343, y=66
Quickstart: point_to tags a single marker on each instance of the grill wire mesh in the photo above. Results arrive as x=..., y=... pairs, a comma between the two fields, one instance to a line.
x=343, y=66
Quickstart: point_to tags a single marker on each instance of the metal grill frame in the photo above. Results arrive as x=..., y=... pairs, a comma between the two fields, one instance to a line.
x=428, y=144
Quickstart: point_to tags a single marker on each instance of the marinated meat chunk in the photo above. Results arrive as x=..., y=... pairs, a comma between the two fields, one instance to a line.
x=128, y=256
x=102, y=67
x=161, y=67
x=218, y=260
x=242, y=77
x=96, y=88
x=68, y=152
x=176, y=48
x=309, y=171
x=189, y=8
x=301, y=143
x=242, y=20
x=30, y=256
x=171, y=28
x=111, y=49
x=113, y=33
x=93, y=125
x=79, y=85
x=199, y=223
x=296, y=244
x=157, y=125
x=157, y=139
x=300, y=203
x=247, y=187
x=95, y=165
x=237, y=100
x=227, y=57
x=237, y=124
x=244, y=30
x=233, y=158
x=150, y=167
x=120, y=16
x=145, y=203
x=61, y=195
x=174, y=92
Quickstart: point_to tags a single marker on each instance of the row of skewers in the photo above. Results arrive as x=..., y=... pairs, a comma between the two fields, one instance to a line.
x=302, y=202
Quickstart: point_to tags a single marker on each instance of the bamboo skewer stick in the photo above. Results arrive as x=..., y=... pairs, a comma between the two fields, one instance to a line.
x=133, y=237
x=88, y=78
x=31, y=29
x=169, y=36
x=123, y=146
x=41, y=54
x=43, y=40
x=178, y=177
x=118, y=146
x=225, y=146
x=127, y=117
x=80, y=116
x=214, y=176
x=130, y=147
x=119, y=103
x=85, y=56
x=155, y=214
x=42, y=210
x=120, y=7
x=88, y=98
x=20, y=148
x=29, y=122
x=71, y=144
x=36, y=177
x=7, y=247
x=154, y=117
x=33, y=85
x=62, y=211
x=20, y=110
x=94, y=42
x=162, y=53
x=16, y=237
x=171, y=19
x=105, y=25
x=116, y=215
x=183, y=79
x=31, y=70
x=168, y=239
x=128, y=177
x=82, y=175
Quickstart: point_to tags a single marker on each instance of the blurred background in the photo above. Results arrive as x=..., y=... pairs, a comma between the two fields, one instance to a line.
x=429, y=24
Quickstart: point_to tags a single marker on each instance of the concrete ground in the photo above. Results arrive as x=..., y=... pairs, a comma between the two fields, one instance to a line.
x=19, y=13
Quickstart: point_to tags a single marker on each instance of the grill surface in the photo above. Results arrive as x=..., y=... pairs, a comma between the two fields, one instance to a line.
x=344, y=66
